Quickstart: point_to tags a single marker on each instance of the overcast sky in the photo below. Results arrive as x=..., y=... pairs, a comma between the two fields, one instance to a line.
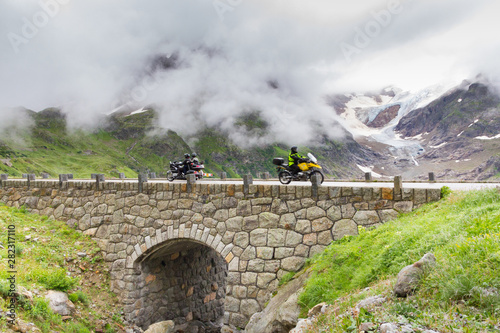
x=90, y=56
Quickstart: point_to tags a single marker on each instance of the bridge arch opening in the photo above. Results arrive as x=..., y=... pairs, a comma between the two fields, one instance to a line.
x=182, y=280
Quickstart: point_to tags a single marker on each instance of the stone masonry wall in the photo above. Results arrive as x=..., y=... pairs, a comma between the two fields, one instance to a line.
x=262, y=232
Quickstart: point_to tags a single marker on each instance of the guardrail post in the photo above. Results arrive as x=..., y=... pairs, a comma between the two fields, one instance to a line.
x=93, y=175
x=247, y=181
x=398, y=186
x=143, y=178
x=432, y=177
x=152, y=175
x=368, y=176
x=99, y=178
x=63, y=178
x=3, y=177
x=223, y=175
x=29, y=178
x=316, y=183
x=121, y=175
x=45, y=175
x=191, y=181
x=265, y=175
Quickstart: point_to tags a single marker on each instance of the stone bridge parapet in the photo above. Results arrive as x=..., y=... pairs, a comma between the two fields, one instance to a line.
x=211, y=251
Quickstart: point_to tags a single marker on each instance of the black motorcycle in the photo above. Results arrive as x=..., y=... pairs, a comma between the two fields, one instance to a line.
x=177, y=171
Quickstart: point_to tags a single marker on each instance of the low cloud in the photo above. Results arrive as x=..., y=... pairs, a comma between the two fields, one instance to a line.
x=280, y=58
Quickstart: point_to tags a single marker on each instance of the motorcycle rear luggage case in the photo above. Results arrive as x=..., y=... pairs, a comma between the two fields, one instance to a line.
x=278, y=161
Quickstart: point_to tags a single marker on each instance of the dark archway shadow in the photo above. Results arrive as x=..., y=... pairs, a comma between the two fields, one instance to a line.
x=181, y=280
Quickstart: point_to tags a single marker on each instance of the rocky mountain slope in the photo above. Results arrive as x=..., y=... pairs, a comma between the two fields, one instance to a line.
x=131, y=142
x=453, y=131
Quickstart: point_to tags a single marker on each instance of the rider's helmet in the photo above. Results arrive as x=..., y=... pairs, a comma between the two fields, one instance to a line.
x=294, y=149
x=186, y=155
x=193, y=155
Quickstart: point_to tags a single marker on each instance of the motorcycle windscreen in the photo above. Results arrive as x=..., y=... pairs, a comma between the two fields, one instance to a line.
x=312, y=158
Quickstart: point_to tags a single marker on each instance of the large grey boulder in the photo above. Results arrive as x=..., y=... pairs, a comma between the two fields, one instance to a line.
x=282, y=313
x=161, y=327
x=409, y=277
x=60, y=303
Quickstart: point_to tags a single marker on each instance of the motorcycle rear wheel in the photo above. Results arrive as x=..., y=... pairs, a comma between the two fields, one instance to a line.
x=170, y=176
x=285, y=177
x=321, y=176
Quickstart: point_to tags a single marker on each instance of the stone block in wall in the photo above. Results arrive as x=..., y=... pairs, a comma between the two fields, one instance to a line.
x=268, y=220
x=288, y=221
x=419, y=196
x=325, y=237
x=321, y=224
x=250, y=222
x=334, y=213
x=292, y=263
x=264, y=279
x=403, y=206
x=249, y=307
x=301, y=251
x=303, y=226
x=366, y=217
x=292, y=238
x=276, y=237
x=387, y=193
x=433, y=195
x=310, y=239
x=348, y=211
x=387, y=215
x=265, y=252
x=315, y=213
x=256, y=265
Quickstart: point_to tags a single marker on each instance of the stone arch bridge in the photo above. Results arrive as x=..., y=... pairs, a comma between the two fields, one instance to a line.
x=210, y=252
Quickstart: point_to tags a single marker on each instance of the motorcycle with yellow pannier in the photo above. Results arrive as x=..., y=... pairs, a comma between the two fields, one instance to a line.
x=309, y=167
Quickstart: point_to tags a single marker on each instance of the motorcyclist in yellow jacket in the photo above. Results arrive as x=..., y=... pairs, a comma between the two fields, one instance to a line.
x=294, y=159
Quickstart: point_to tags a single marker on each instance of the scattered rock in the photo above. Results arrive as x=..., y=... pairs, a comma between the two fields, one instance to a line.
x=388, y=328
x=7, y=162
x=229, y=329
x=24, y=327
x=282, y=312
x=27, y=238
x=81, y=254
x=371, y=302
x=161, y=327
x=367, y=327
x=303, y=326
x=59, y=303
x=317, y=309
x=409, y=277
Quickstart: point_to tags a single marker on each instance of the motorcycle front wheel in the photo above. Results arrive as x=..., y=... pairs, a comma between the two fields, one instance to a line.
x=320, y=174
x=285, y=177
x=170, y=176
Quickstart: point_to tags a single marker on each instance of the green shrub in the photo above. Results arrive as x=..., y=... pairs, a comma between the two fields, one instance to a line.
x=78, y=296
x=445, y=191
x=52, y=279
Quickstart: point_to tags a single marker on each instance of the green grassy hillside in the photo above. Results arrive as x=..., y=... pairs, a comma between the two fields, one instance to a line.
x=132, y=144
x=46, y=258
x=462, y=231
